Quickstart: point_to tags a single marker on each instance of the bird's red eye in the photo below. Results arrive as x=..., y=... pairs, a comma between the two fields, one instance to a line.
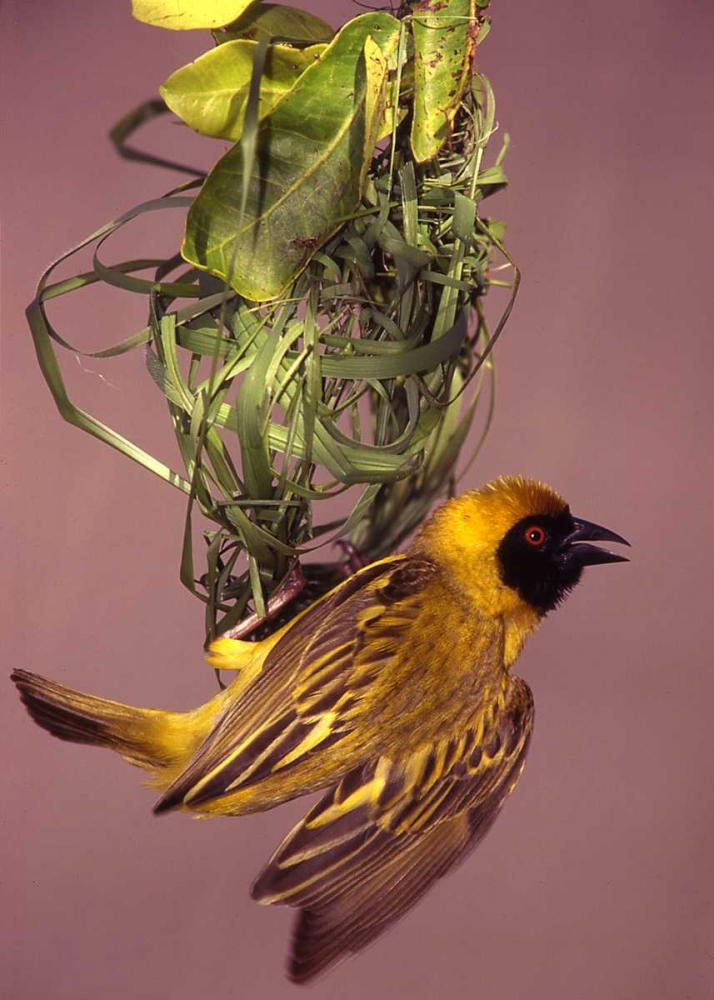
x=535, y=535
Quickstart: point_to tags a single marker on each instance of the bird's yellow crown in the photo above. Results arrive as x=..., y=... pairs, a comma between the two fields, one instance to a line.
x=482, y=517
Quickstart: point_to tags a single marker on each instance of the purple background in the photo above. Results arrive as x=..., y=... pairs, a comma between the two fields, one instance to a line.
x=598, y=880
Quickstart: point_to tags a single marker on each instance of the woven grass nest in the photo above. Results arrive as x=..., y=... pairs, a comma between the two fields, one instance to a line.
x=340, y=349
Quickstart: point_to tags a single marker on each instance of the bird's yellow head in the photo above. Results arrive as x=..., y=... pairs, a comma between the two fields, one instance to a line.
x=513, y=546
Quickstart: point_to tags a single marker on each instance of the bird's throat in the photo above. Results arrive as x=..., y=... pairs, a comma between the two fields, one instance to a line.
x=518, y=625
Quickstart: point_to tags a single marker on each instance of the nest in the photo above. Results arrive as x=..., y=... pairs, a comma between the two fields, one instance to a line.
x=365, y=377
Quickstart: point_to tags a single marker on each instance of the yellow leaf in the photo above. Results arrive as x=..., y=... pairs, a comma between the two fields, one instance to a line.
x=183, y=15
x=210, y=94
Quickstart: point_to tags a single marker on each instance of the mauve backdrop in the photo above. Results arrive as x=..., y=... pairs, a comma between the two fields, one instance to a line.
x=598, y=879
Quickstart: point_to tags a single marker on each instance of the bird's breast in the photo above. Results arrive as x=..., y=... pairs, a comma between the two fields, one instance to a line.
x=448, y=672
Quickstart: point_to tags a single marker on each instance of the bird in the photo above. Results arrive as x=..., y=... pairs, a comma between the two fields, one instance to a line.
x=393, y=694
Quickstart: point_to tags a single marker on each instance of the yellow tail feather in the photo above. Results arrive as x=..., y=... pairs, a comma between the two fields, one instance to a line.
x=160, y=742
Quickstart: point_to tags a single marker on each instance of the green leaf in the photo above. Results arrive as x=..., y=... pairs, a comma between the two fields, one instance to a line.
x=210, y=94
x=309, y=168
x=182, y=15
x=445, y=36
x=275, y=21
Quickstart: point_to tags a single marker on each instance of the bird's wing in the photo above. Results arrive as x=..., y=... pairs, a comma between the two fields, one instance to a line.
x=377, y=842
x=307, y=696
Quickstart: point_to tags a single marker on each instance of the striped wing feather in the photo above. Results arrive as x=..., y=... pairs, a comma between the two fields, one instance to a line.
x=307, y=697
x=376, y=843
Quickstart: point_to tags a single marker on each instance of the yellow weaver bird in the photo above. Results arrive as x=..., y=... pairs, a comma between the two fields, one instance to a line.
x=393, y=692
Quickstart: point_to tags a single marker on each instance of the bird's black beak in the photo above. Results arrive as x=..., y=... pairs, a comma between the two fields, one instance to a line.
x=576, y=544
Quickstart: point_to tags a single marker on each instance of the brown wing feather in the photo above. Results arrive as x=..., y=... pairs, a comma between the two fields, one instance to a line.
x=324, y=934
x=374, y=845
x=304, y=699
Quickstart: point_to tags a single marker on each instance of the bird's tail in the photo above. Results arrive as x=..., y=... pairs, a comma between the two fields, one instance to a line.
x=160, y=742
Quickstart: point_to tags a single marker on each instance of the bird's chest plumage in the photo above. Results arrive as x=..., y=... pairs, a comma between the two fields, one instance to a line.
x=446, y=675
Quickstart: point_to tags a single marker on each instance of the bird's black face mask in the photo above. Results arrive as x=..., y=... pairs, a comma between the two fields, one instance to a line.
x=542, y=557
